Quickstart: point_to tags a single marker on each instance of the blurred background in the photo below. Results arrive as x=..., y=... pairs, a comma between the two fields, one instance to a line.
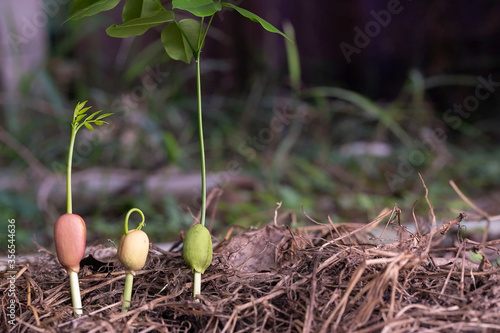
x=338, y=124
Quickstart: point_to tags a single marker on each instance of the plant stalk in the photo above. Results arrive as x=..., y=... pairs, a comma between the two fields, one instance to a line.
x=127, y=291
x=69, y=201
x=76, y=299
x=142, y=224
x=196, y=285
x=202, y=144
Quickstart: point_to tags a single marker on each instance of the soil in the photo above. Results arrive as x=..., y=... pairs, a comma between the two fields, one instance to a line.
x=322, y=278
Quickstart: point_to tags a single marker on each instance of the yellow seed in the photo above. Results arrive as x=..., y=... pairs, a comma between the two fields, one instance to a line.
x=133, y=250
x=197, y=249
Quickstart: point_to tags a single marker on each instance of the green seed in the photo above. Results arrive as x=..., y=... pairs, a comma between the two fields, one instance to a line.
x=197, y=250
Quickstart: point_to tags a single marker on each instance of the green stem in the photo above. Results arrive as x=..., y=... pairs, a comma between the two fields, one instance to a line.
x=69, y=202
x=203, y=33
x=75, y=293
x=196, y=285
x=142, y=224
x=127, y=291
x=202, y=144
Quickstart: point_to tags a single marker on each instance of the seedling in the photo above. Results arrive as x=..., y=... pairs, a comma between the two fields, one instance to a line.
x=132, y=253
x=183, y=40
x=197, y=252
x=70, y=231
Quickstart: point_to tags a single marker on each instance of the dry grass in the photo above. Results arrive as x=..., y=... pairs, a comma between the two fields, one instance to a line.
x=323, y=278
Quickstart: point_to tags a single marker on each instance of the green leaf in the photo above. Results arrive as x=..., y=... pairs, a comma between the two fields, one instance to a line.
x=99, y=123
x=174, y=43
x=139, y=26
x=80, y=106
x=292, y=55
x=266, y=25
x=84, y=110
x=199, y=8
x=102, y=116
x=79, y=109
x=180, y=39
x=475, y=257
x=92, y=115
x=80, y=117
x=134, y=9
x=82, y=8
x=191, y=32
x=89, y=126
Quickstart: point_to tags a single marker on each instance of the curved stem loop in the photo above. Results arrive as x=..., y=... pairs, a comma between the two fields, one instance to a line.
x=142, y=224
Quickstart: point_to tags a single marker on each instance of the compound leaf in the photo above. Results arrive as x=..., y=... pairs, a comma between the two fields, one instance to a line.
x=180, y=39
x=134, y=9
x=82, y=8
x=200, y=8
x=255, y=18
x=139, y=26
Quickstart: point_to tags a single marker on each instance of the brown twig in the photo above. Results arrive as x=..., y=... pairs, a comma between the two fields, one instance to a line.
x=484, y=214
x=310, y=307
x=368, y=225
x=431, y=211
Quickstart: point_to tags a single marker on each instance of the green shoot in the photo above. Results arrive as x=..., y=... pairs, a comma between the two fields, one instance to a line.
x=70, y=230
x=127, y=291
x=76, y=124
x=200, y=132
x=132, y=253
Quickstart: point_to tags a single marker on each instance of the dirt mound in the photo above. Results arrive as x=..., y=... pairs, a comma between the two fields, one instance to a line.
x=322, y=278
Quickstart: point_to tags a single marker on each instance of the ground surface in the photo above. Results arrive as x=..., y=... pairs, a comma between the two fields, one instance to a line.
x=322, y=278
